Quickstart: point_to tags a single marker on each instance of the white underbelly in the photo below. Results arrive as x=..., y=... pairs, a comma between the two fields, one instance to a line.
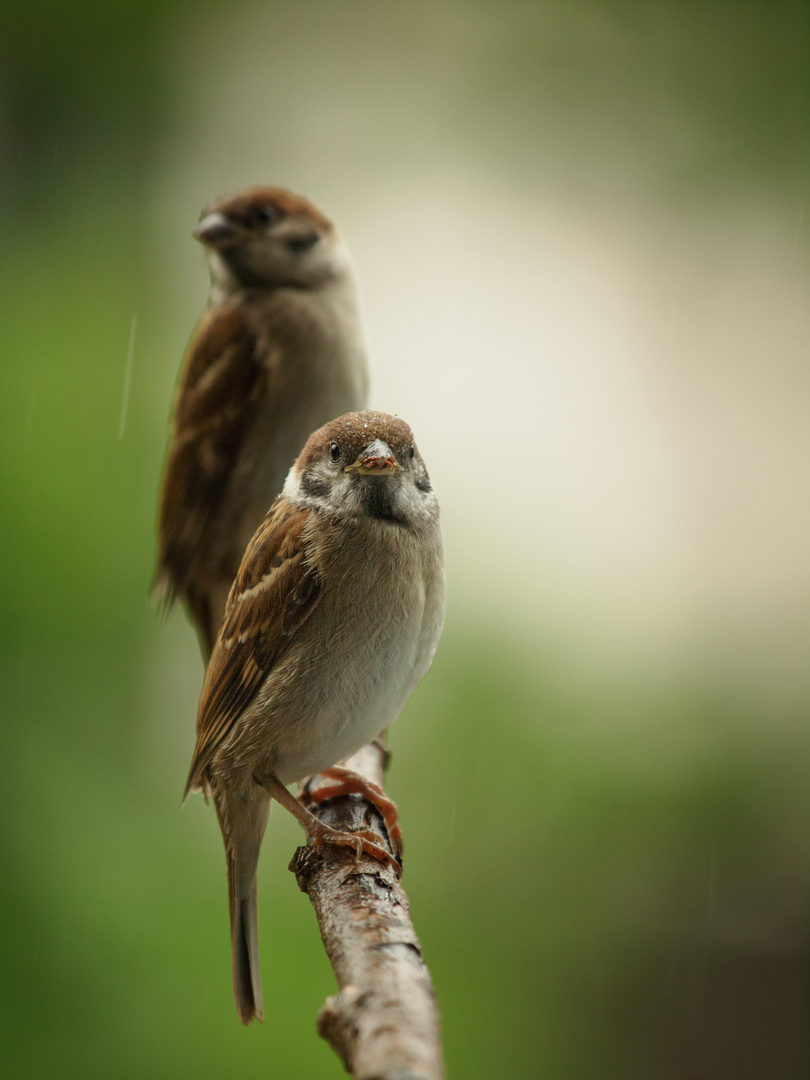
x=358, y=700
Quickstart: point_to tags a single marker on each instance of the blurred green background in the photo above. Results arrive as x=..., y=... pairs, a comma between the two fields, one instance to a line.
x=580, y=231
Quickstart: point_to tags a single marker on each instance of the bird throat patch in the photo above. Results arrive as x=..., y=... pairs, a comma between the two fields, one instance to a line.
x=377, y=499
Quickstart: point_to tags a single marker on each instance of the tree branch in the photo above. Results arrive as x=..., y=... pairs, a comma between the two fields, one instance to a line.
x=384, y=1022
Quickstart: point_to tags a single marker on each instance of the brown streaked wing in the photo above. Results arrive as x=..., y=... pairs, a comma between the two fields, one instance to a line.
x=219, y=388
x=275, y=592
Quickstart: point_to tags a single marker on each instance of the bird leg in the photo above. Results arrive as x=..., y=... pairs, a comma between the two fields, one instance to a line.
x=363, y=841
x=352, y=783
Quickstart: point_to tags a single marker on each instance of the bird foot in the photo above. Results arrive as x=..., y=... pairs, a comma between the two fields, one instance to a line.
x=364, y=841
x=352, y=783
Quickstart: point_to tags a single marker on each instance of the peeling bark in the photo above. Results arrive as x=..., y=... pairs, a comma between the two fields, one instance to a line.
x=384, y=1023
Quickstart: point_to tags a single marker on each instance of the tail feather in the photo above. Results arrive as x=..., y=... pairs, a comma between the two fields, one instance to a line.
x=198, y=605
x=243, y=817
x=247, y=984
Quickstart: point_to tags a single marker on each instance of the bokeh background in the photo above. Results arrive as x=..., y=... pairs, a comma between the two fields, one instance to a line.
x=580, y=228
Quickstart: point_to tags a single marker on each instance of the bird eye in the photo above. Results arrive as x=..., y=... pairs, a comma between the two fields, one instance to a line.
x=412, y=451
x=334, y=450
x=265, y=215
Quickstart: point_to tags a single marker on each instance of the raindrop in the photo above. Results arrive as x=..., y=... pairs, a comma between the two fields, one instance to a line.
x=796, y=237
x=127, y=378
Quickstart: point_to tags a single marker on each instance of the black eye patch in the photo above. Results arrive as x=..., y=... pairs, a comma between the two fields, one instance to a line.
x=302, y=241
x=312, y=483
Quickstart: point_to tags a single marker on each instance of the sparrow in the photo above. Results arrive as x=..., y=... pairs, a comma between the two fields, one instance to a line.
x=279, y=352
x=332, y=620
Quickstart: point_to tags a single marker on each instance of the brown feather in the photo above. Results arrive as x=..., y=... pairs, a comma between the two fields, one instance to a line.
x=276, y=590
x=240, y=206
x=219, y=388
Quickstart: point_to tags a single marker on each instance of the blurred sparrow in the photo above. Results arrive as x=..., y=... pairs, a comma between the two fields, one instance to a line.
x=279, y=352
x=331, y=623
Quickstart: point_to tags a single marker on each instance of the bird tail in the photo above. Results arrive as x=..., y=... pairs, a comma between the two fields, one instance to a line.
x=242, y=843
x=247, y=984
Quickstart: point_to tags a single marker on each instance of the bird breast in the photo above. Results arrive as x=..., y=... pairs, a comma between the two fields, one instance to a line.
x=353, y=665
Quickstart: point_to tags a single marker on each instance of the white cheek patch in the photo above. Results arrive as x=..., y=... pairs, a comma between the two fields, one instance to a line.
x=223, y=282
x=318, y=483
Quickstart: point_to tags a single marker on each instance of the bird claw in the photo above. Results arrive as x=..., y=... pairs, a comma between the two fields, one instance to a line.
x=352, y=783
x=364, y=842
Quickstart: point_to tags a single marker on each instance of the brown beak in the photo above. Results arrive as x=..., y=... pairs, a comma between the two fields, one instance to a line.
x=376, y=460
x=215, y=230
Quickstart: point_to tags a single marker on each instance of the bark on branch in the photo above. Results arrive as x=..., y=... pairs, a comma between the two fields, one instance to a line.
x=384, y=1023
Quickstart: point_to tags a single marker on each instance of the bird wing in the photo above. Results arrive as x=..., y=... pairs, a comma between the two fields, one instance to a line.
x=220, y=386
x=276, y=590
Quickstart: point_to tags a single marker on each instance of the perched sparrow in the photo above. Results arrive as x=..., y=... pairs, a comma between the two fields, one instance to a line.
x=279, y=352
x=332, y=621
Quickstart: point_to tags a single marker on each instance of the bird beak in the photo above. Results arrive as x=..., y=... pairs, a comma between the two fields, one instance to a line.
x=376, y=460
x=215, y=230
